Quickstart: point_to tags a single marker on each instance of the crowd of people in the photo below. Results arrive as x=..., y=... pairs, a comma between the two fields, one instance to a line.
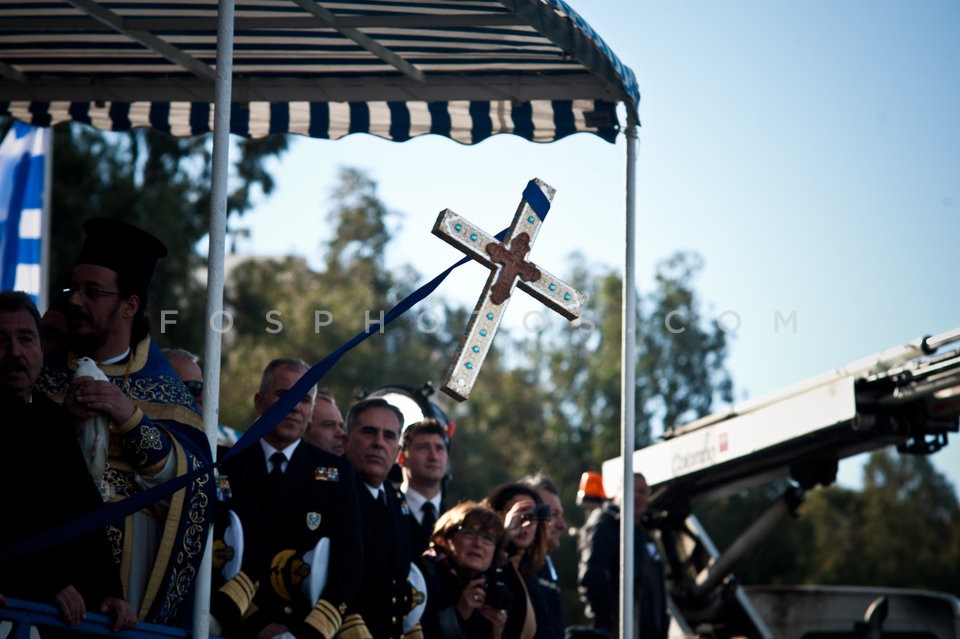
x=314, y=537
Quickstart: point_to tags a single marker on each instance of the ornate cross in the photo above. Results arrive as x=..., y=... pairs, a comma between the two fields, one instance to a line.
x=508, y=268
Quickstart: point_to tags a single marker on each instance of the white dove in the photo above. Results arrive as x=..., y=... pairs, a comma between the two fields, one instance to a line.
x=95, y=433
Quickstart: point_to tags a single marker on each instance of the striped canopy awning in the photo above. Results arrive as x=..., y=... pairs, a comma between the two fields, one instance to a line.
x=465, y=69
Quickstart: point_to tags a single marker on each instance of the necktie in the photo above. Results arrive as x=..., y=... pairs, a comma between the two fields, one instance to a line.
x=429, y=517
x=276, y=473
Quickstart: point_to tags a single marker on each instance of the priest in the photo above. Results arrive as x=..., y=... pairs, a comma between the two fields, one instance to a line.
x=154, y=434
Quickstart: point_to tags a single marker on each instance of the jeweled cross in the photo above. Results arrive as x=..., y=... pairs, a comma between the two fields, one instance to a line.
x=508, y=268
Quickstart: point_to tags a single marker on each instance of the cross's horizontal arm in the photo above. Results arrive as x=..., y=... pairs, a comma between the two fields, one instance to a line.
x=555, y=293
x=462, y=234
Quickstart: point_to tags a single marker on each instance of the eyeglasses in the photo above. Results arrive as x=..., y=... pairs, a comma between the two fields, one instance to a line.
x=90, y=292
x=473, y=533
x=195, y=387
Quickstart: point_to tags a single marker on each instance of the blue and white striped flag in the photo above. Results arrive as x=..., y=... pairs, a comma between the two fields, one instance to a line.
x=22, y=158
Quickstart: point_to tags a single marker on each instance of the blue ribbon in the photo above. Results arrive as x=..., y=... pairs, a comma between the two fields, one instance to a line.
x=264, y=424
x=537, y=200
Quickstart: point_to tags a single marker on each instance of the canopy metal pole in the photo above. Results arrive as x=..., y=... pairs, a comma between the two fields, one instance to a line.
x=215, y=277
x=628, y=367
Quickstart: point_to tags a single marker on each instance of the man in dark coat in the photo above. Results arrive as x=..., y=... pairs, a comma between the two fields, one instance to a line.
x=385, y=598
x=44, y=482
x=424, y=451
x=599, y=570
x=291, y=498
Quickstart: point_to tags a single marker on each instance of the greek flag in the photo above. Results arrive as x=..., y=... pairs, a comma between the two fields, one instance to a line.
x=22, y=167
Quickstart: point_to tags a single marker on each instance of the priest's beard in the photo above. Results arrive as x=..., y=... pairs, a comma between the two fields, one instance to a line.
x=88, y=343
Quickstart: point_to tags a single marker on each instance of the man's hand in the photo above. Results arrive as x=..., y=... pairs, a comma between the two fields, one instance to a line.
x=123, y=615
x=71, y=606
x=88, y=398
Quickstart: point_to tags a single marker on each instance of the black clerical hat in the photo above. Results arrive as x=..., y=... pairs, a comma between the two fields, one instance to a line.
x=121, y=247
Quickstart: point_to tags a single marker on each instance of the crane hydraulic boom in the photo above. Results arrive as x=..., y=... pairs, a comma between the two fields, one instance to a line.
x=907, y=396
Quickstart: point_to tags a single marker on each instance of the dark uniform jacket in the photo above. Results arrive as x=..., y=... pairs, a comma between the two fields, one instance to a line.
x=316, y=497
x=385, y=595
x=547, y=602
x=44, y=482
x=420, y=535
x=599, y=576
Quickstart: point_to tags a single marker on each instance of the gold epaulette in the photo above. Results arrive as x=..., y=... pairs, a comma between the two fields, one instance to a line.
x=325, y=619
x=354, y=627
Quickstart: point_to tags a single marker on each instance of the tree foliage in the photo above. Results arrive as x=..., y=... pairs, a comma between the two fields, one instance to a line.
x=159, y=183
x=681, y=370
x=901, y=530
x=909, y=513
x=283, y=308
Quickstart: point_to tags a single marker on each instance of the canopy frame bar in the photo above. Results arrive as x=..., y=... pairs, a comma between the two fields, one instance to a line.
x=572, y=86
x=312, y=7
x=152, y=42
x=247, y=23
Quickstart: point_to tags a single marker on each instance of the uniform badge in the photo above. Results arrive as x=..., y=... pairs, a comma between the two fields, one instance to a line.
x=224, y=492
x=313, y=521
x=326, y=473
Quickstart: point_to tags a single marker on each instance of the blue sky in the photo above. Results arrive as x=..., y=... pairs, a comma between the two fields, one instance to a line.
x=809, y=152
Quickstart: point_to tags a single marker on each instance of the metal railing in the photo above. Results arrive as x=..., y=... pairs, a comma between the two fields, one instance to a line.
x=26, y=614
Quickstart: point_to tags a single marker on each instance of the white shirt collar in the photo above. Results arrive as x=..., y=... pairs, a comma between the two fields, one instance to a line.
x=114, y=360
x=416, y=501
x=269, y=450
x=374, y=490
x=553, y=571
